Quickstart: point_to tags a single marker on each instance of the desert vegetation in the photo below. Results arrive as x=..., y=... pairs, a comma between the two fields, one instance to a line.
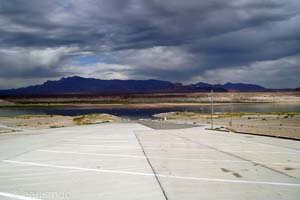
x=94, y=119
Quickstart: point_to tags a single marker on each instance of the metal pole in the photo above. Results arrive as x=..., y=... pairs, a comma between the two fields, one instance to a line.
x=231, y=111
x=212, y=108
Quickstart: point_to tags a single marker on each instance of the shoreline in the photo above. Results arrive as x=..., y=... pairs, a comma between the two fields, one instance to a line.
x=131, y=105
x=154, y=98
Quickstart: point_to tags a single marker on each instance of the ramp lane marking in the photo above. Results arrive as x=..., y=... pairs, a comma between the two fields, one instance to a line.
x=231, y=180
x=183, y=149
x=142, y=157
x=152, y=175
x=78, y=168
x=164, y=158
x=131, y=147
x=92, y=154
x=14, y=196
x=101, y=140
x=259, y=143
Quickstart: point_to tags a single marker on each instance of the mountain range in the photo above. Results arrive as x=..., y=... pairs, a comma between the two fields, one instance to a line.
x=235, y=87
x=89, y=86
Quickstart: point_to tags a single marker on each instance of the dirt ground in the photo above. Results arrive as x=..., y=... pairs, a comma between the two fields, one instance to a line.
x=3, y=102
x=23, y=122
x=280, y=125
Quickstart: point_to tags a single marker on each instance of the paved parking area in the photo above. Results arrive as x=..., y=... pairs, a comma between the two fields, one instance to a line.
x=131, y=161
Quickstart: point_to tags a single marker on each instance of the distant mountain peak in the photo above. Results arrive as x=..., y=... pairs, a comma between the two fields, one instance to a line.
x=86, y=86
x=202, y=84
x=91, y=86
x=72, y=78
x=243, y=87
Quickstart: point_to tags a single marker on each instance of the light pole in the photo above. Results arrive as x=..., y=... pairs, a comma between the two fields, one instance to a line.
x=212, y=108
x=231, y=111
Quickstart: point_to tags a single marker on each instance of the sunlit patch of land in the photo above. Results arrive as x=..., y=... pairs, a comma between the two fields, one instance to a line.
x=17, y=123
x=94, y=119
x=280, y=124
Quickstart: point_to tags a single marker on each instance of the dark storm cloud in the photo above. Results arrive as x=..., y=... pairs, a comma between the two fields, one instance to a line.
x=170, y=39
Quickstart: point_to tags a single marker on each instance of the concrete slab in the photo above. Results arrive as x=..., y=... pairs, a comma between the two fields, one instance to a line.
x=226, y=166
x=30, y=173
x=131, y=161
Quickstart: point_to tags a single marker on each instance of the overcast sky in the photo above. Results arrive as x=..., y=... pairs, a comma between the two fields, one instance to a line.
x=215, y=41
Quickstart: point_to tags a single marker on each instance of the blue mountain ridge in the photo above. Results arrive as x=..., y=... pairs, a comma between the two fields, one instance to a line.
x=91, y=86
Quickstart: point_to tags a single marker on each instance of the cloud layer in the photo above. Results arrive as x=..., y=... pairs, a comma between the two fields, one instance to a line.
x=254, y=41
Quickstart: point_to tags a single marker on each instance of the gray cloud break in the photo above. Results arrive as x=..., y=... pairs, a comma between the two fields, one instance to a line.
x=254, y=41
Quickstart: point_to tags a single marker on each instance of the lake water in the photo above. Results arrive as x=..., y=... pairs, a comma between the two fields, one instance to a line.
x=148, y=112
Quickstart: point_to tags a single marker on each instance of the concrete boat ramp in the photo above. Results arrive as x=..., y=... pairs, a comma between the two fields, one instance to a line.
x=132, y=161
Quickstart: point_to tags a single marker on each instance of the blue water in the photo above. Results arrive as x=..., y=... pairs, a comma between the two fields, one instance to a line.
x=148, y=112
